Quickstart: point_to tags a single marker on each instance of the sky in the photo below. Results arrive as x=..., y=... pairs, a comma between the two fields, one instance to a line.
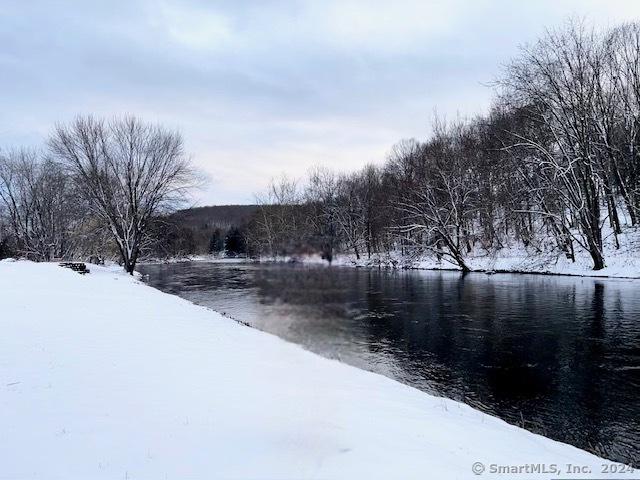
x=261, y=88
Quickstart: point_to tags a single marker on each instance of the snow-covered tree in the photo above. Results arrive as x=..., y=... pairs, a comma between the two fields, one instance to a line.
x=128, y=171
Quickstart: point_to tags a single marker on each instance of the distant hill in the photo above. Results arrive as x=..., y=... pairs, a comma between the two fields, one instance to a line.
x=200, y=230
x=213, y=217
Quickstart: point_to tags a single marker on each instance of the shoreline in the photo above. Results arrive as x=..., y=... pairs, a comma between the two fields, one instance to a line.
x=346, y=261
x=139, y=381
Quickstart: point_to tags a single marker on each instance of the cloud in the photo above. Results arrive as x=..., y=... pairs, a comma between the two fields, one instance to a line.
x=194, y=28
x=263, y=86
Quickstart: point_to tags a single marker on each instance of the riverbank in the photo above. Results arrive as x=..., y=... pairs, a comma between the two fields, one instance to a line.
x=621, y=263
x=105, y=377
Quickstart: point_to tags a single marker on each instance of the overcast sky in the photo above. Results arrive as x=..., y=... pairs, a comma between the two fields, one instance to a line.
x=259, y=88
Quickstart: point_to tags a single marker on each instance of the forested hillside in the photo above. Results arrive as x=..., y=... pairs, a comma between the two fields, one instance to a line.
x=551, y=173
x=205, y=230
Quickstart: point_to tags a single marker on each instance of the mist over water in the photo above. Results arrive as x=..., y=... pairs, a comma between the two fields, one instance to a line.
x=558, y=356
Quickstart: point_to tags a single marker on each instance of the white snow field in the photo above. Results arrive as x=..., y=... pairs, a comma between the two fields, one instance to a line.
x=102, y=376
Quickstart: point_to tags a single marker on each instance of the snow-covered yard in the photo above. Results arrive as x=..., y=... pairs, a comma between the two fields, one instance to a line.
x=102, y=376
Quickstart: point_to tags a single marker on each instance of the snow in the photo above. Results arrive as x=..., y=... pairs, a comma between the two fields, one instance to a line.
x=102, y=376
x=622, y=257
x=620, y=263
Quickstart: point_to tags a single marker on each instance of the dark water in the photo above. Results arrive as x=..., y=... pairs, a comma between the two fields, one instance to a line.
x=557, y=355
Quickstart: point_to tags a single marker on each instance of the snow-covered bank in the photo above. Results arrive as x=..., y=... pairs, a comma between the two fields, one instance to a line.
x=104, y=377
x=623, y=263
x=621, y=253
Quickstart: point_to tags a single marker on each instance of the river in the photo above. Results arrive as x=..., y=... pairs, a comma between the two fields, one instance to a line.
x=556, y=355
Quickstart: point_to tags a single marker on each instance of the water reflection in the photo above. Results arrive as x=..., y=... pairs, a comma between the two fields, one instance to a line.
x=557, y=355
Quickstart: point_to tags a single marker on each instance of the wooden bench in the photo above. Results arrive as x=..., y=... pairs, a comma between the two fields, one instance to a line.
x=79, y=267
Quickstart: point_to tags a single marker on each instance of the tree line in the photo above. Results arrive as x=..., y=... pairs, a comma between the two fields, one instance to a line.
x=553, y=166
x=98, y=188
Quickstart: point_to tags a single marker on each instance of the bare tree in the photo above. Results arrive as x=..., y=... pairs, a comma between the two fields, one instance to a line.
x=276, y=225
x=128, y=171
x=319, y=197
x=622, y=139
x=40, y=205
x=440, y=200
x=557, y=81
